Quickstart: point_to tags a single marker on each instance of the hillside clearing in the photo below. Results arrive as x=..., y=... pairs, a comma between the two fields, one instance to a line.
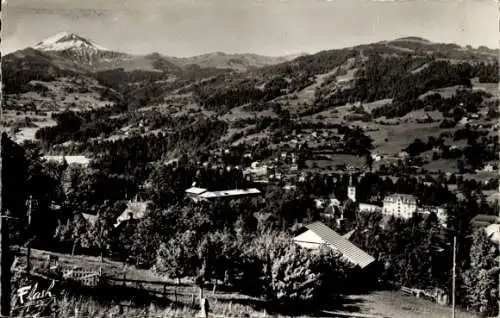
x=395, y=304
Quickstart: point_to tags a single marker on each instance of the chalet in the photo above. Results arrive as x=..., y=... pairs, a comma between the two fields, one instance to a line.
x=320, y=203
x=135, y=210
x=376, y=157
x=318, y=234
x=90, y=218
x=489, y=167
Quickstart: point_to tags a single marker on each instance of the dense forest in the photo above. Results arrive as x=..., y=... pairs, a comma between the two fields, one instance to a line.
x=461, y=103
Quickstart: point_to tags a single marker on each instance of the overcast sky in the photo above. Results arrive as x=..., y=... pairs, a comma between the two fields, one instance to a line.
x=270, y=27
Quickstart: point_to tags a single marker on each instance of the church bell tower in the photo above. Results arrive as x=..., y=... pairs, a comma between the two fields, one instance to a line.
x=351, y=190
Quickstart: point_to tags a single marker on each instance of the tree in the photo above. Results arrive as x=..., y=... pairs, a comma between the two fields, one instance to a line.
x=100, y=235
x=74, y=231
x=289, y=275
x=369, y=162
x=177, y=257
x=480, y=285
x=102, y=232
x=219, y=256
x=149, y=233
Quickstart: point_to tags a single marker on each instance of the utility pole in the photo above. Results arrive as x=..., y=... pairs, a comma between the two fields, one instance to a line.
x=454, y=273
x=498, y=315
x=28, y=244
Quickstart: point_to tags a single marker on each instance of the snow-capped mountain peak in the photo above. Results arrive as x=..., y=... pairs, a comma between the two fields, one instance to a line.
x=68, y=41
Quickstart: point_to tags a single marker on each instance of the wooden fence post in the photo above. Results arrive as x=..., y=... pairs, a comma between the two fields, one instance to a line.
x=28, y=259
x=175, y=294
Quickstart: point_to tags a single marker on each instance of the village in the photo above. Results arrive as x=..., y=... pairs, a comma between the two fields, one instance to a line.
x=249, y=159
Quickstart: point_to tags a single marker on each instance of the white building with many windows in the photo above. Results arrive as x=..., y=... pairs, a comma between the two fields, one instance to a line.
x=371, y=208
x=400, y=205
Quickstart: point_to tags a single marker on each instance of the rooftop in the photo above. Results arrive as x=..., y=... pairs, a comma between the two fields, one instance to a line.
x=196, y=190
x=493, y=232
x=341, y=244
x=69, y=159
x=483, y=220
x=228, y=193
x=91, y=218
x=134, y=210
x=405, y=197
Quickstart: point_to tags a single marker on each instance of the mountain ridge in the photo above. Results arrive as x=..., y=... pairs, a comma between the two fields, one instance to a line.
x=95, y=57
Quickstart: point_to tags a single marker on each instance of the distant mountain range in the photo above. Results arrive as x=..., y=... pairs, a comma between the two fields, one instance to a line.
x=220, y=80
x=86, y=54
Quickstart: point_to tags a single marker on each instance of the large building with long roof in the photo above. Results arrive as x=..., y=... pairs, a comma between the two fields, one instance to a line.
x=318, y=234
x=200, y=194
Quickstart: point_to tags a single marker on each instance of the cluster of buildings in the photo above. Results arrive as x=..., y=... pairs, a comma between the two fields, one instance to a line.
x=398, y=205
x=313, y=136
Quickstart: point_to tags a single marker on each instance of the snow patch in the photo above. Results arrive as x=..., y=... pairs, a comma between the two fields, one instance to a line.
x=64, y=41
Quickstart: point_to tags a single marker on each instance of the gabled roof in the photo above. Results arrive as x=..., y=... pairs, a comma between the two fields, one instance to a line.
x=350, y=251
x=136, y=209
x=91, y=218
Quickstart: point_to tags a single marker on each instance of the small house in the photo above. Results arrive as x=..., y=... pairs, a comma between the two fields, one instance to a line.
x=135, y=210
x=90, y=218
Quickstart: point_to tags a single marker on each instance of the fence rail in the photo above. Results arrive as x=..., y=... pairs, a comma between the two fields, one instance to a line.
x=91, y=275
